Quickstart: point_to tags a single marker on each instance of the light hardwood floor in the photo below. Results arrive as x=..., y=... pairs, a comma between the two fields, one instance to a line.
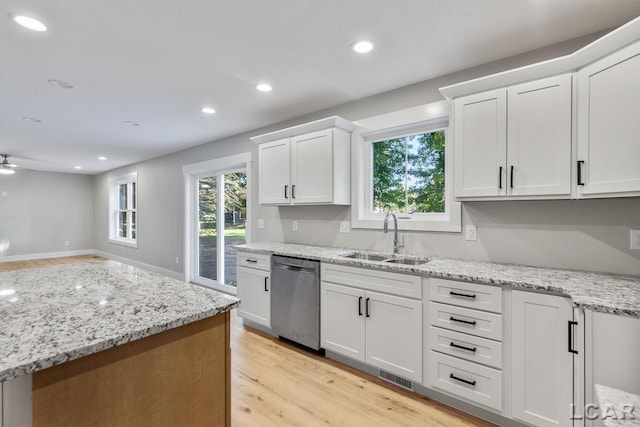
x=275, y=383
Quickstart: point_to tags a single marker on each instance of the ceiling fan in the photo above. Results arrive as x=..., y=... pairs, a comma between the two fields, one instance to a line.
x=7, y=168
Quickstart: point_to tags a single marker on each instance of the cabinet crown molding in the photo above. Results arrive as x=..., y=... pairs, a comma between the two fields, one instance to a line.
x=610, y=42
x=329, y=122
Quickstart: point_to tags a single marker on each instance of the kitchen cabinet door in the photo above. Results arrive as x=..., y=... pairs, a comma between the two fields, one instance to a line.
x=312, y=167
x=541, y=363
x=480, y=142
x=394, y=334
x=274, y=170
x=608, y=125
x=16, y=402
x=539, y=138
x=342, y=320
x=254, y=290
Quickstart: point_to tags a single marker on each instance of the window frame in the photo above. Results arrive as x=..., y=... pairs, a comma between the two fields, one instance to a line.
x=396, y=125
x=131, y=180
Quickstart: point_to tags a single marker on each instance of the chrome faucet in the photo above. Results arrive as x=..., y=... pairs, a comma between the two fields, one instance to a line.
x=385, y=229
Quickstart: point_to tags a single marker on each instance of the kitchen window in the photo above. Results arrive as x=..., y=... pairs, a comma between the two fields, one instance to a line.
x=404, y=165
x=123, y=210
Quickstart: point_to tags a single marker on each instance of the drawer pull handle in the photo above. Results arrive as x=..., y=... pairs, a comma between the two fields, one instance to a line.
x=453, y=319
x=471, y=383
x=266, y=289
x=251, y=260
x=452, y=344
x=457, y=294
x=366, y=308
x=359, y=306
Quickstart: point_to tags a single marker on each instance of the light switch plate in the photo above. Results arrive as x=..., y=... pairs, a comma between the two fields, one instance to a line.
x=4, y=193
x=635, y=239
x=470, y=232
x=294, y=225
x=345, y=227
x=260, y=224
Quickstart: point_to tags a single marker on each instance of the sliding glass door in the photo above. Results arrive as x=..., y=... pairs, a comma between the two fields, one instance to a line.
x=221, y=223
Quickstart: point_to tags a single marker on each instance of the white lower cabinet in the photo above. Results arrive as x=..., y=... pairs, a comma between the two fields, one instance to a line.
x=15, y=402
x=394, y=334
x=542, y=361
x=382, y=330
x=342, y=323
x=254, y=288
x=465, y=341
x=474, y=382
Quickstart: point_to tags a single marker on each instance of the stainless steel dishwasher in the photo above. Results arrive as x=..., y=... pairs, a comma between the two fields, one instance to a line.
x=295, y=300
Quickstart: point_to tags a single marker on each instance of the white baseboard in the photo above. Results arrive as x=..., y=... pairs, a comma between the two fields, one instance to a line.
x=30, y=257
x=152, y=268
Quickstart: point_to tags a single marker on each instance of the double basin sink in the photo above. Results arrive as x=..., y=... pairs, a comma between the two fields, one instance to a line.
x=391, y=259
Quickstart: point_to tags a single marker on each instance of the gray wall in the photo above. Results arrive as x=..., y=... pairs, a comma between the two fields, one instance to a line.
x=42, y=210
x=589, y=235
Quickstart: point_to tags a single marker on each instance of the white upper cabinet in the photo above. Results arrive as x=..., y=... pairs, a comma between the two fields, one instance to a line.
x=307, y=164
x=514, y=141
x=274, y=170
x=480, y=144
x=609, y=125
x=312, y=167
x=539, y=138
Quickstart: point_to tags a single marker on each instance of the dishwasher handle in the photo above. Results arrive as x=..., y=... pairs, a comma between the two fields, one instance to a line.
x=295, y=268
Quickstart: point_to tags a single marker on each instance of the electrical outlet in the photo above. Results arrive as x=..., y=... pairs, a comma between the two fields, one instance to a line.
x=344, y=227
x=294, y=225
x=260, y=224
x=470, y=232
x=635, y=239
x=177, y=260
x=66, y=243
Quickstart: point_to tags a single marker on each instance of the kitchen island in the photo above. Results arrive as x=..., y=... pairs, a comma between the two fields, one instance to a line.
x=106, y=344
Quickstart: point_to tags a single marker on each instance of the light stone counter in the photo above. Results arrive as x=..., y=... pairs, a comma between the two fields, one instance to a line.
x=607, y=293
x=52, y=315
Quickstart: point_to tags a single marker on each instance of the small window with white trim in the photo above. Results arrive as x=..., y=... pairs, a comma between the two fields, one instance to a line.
x=403, y=165
x=123, y=210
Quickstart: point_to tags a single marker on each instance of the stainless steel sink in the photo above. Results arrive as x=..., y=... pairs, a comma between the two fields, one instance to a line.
x=407, y=261
x=365, y=256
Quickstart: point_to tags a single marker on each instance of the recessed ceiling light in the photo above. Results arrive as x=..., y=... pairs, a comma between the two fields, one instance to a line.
x=131, y=123
x=60, y=83
x=77, y=167
x=362, y=46
x=31, y=119
x=264, y=87
x=102, y=158
x=28, y=22
x=208, y=110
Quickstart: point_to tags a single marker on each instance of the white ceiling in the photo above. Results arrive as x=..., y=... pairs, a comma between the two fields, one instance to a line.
x=157, y=62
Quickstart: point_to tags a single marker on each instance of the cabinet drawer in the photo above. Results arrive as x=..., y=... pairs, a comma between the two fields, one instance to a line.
x=466, y=379
x=374, y=280
x=464, y=294
x=253, y=260
x=465, y=346
x=480, y=323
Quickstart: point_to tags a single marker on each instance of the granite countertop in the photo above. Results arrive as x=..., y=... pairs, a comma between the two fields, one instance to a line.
x=608, y=293
x=618, y=407
x=56, y=314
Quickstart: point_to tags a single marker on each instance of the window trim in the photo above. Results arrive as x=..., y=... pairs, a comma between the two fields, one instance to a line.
x=396, y=125
x=114, y=185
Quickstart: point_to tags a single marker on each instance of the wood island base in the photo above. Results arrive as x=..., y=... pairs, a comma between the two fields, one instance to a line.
x=180, y=377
